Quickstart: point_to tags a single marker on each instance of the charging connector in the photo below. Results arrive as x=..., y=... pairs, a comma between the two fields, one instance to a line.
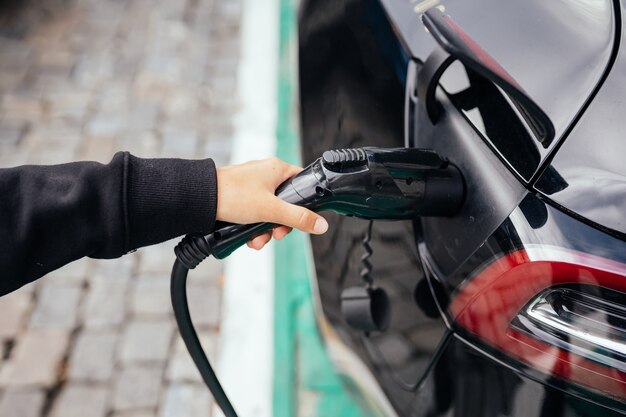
x=368, y=183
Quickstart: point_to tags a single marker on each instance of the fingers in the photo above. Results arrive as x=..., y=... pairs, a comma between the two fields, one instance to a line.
x=260, y=241
x=297, y=217
x=280, y=232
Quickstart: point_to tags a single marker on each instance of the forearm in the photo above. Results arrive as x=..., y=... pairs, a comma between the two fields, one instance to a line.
x=52, y=215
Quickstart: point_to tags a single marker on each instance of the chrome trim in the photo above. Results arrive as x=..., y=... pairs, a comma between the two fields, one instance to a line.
x=581, y=323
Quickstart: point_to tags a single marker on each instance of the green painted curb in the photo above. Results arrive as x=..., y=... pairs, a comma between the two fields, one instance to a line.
x=305, y=382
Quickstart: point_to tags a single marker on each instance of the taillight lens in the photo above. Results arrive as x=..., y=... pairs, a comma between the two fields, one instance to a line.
x=518, y=304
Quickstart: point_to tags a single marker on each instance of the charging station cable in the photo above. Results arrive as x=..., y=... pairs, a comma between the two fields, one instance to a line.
x=189, y=253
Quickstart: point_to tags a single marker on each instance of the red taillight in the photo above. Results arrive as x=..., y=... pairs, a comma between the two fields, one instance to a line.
x=489, y=303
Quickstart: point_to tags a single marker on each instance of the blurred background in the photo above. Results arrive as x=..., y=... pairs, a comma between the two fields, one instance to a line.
x=82, y=79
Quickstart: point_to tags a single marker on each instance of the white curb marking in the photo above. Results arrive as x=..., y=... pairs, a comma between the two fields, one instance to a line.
x=247, y=335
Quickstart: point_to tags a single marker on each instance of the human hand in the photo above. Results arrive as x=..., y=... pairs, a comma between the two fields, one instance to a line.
x=245, y=194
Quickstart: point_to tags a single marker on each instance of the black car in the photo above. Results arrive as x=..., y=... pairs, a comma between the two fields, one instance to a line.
x=516, y=305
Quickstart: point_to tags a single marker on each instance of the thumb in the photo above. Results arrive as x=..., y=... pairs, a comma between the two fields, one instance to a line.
x=298, y=217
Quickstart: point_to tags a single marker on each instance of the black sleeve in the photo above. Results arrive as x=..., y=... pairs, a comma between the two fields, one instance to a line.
x=52, y=215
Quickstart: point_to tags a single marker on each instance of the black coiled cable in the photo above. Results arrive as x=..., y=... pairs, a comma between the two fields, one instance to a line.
x=189, y=253
x=366, y=271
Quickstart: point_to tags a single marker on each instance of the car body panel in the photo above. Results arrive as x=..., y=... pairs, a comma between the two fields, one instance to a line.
x=558, y=51
x=588, y=174
x=353, y=90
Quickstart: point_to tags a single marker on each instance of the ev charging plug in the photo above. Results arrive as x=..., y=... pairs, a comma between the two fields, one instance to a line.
x=368, y=183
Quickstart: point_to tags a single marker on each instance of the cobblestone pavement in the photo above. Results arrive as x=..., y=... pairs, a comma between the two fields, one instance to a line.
x=157, y=78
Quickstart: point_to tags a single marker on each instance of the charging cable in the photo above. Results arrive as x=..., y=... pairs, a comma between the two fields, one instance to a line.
x=189, y=253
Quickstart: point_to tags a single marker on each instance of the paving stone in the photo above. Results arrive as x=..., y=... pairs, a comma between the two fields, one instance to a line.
x=194, y=75
x=186, y=400
x=57, y=307
x=230, y=10
x=69, y=105
x=195, y=51
x=15, y=54
x=73, y=273
x=44, y=83
x=136, y=413
x=206, y=99
x=8, y=80
x=114, y=99
x=137, y=388
x=11, y=135
x=35, y=359
x=210, y=271
x=185, y=122
x=224, y=85
x=13, y=310
x=219, y=149
x=146, y=341
x=160, y=77
x=13, y=159
x=22, y=107
x=22, y=403
x=50, y=22
x=143, y=116
x=144, y=144
x=127, y=61
x=105, y=305
x=179, y=142
x=47, y=139
x=118, y=269
x=226, y=103
x=56, y=60
x=158, y=258
x=92, y=69
x=151, y=296
x=218, y=129
x=41, y=145
x=199, y=26
x=80, y=401
x=100, y=149
x=204, y=304
x=50, y=157
x=173, y=10
x=93, y=358
x=183, y=102
x=106, y=125
x=181, y=367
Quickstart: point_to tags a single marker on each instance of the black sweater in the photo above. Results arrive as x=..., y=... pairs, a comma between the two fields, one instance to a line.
x=53, y=215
